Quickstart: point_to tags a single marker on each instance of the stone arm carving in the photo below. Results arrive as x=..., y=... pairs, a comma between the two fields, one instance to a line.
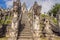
x=20, y=16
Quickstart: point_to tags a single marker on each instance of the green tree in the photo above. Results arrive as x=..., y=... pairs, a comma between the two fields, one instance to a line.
x=55, y=9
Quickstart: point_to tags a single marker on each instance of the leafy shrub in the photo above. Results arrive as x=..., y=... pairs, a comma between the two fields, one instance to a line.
x=54, y=20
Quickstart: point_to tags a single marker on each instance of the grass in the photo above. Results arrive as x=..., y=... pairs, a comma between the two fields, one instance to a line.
x=42, y=38
x=56, y=38
x=54, y=21
x=4, y=38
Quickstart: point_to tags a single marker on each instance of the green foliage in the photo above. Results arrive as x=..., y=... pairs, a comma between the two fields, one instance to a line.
x=4, y=38
x=6, y=17
x=55, y=9
x=54, y=20
x=1, y=21
x=7, y=21
x=43, y=15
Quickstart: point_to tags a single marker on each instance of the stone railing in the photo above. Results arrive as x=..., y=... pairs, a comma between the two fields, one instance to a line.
x=54, y=27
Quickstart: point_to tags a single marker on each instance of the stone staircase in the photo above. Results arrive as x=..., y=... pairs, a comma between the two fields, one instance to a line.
x=25, y=33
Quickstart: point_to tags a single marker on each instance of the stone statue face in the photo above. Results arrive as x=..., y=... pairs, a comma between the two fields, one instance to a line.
x=37, y=10
x=15, y=7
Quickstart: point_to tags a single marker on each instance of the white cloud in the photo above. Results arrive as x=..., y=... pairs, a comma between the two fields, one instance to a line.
x=46, y=4
x=9, y=3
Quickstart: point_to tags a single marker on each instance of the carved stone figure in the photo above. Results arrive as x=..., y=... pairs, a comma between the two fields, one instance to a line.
x=15, y=21
x=36, y=21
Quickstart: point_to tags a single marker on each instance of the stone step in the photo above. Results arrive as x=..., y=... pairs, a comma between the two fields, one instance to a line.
x=25, y=39
x=25, y=29
x=28, y=27
x=25, y=32
x=26, y=36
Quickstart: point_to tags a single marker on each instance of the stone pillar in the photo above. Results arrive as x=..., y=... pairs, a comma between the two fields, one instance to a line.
x=58, y=19
x=14, y=27
x=36, y=28
x=15, y=20
x=48, y=31
x=36, y=21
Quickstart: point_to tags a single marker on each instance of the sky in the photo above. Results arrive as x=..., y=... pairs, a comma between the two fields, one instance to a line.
x=46, y=4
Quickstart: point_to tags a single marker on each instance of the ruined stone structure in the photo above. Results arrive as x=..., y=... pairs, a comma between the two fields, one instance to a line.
x=58, y=18
x=3, y=14
x=21, y=29
x=25, y=23
x=47, y=27
x=48, y=31
x=4, y=18
x=35, y=20
x=25, y=29
x=15, y=20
